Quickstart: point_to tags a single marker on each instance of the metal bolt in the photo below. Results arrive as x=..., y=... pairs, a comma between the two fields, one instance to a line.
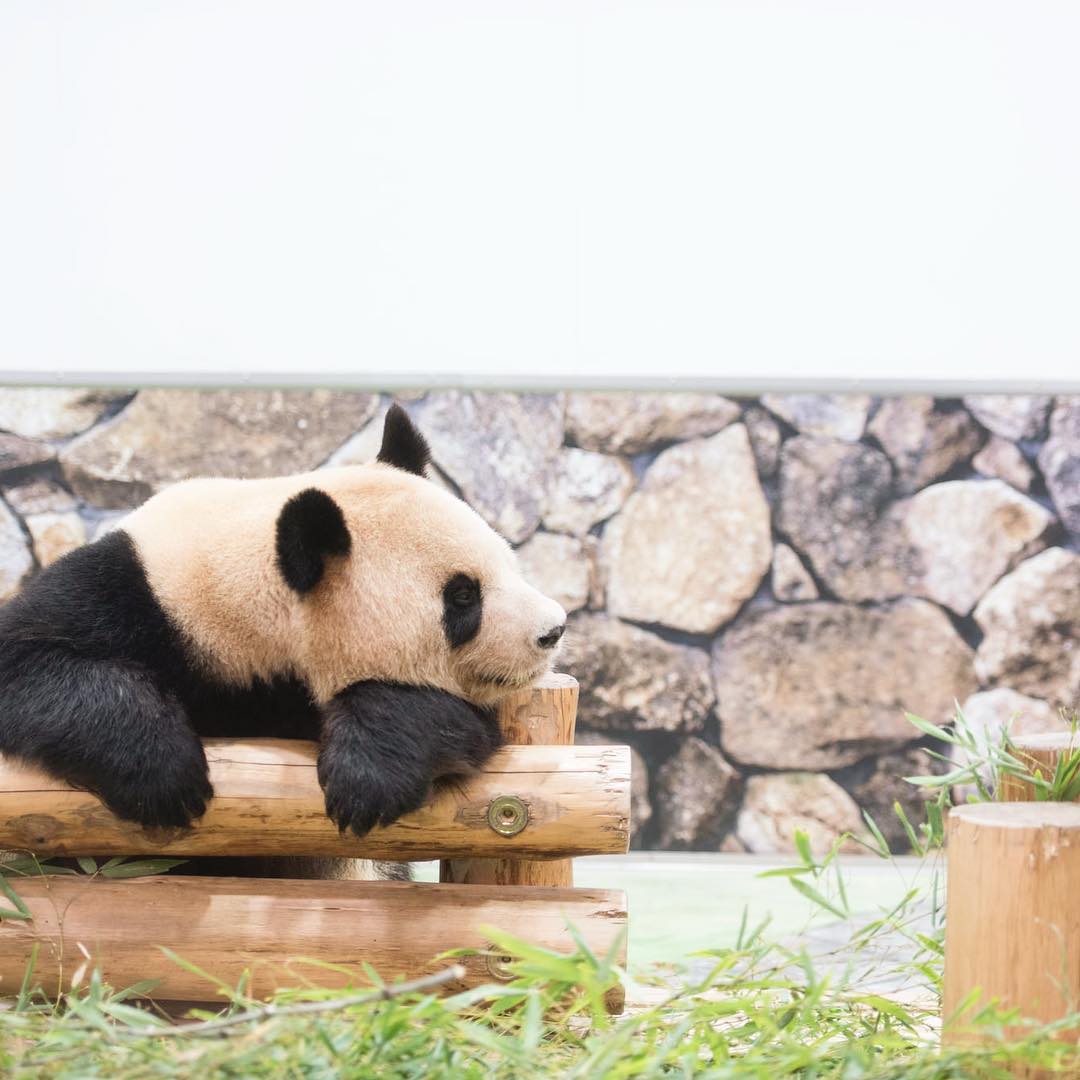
x=498, y=964
x=507, y=815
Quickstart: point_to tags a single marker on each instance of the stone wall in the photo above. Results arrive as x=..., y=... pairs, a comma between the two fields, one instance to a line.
x=759, y=588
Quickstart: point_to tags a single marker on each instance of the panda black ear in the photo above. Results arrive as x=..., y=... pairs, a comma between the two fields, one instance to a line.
x=310, y=527
x=402, y=445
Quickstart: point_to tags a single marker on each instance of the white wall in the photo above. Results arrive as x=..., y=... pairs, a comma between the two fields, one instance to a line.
x=735, y=191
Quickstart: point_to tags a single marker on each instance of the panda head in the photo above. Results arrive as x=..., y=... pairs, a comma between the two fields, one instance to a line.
x=387, y=575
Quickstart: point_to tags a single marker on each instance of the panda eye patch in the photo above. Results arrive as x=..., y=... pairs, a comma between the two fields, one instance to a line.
x=462, y=609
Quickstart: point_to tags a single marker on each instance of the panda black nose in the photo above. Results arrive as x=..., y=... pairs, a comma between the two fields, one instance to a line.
x=551, y=638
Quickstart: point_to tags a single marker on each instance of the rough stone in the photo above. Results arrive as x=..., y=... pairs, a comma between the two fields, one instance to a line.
x=765, y=440
x=1012, y=416
x=52, y=413
x=628, y=423
x=39, y=497
x=1031, y=630
x=1059, y=460
x=641, y=810
x=363, y=447
x=586, y=488
x=15, y=558
x=499, y=449
x=821, y=685
x=776, y=805
x=693, y=542
x=949, y=542
x=19, y=453
x=633, y=680
x=55, y=534
x=839, y=416
x=558, y=566
x=698, y=793
x=169, y=435
x=791, y=581
x=923, y=442
x=1002, y=459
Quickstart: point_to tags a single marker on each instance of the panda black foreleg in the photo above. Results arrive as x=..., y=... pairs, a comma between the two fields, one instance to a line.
x=385, y=746
x=105, y=727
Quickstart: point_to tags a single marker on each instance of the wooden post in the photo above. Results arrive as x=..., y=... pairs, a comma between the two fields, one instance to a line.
x=1012, y=927
x=1042, y=752
x=544, y=714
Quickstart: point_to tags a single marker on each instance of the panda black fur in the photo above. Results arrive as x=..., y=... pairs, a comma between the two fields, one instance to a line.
x=364, y=607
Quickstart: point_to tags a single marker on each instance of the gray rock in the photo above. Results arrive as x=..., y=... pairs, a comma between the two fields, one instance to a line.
x=924, y=442
x=1059, y=460
x=698, y=795
x=949, y=542
x=821, y=685
x=1003, y=460
x=765, y=439
x=628, y=423
x=169, y=435
x=558, y=566
x=633, y=680
x=1012, y=416
x=499, y=449
x=641, y=810
x=52, y=413
x=838, y=416
x=791, y=581
x=775, y=806
x=39, y=497
x=586, y=488
x=15, y=559
x=55, y=534
x=19, y=453
x=1031, y=630
x=363, y=447
x=693, y=542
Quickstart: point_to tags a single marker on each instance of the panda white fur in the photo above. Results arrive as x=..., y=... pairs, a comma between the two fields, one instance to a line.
x=364, y=607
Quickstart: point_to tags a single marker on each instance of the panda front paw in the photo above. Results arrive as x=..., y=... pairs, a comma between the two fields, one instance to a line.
x=359, y=798
x=170, y=795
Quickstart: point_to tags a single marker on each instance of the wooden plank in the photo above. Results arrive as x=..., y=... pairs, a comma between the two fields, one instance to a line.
x=270, y=927
x=268, y=802
x=543, y=715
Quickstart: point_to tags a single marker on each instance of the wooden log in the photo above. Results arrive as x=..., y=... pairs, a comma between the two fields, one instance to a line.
x=543, y=715
x=268, y=801
x=1012, y=926
x=1042, y=752
x=271, y=927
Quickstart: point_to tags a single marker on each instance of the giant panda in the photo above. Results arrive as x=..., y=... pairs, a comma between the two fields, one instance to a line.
x=365, y=607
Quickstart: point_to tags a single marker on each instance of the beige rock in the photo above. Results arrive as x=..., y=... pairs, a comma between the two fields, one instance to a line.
x=1031, y=630
x=363, y=447
x=55, y=534
x=628, y=423
x=19, y=453
x=499, y=449
x=923, y=441
x=693, y=542
x=586, y=488
x=633, y=680
x=52, y=413
x=169, y=435
x=1002, y=459
x=776, y=805
x=821, y=685
x=948, y=543
x=698, y=793
x=765, y=440
x=558, y=566
x=641, y=810
x=791, y=581
x=1059, y=460
x=39, y=497
x=15, y=559
x=1012, y=416
x=839, y=416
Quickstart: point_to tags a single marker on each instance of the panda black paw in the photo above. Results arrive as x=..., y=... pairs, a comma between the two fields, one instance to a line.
x=358, y=799
x=169, y=796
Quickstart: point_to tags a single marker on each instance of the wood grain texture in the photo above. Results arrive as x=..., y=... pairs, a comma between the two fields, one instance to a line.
x=1012, y=926
x=229, y=925
x=543, y=715
x=1040, y=752
x=268, y=802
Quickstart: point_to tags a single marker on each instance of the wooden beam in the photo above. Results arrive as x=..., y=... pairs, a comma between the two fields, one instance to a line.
x=268, y=801
x=543, y=715
x=271, y=927
x=1042, y=752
